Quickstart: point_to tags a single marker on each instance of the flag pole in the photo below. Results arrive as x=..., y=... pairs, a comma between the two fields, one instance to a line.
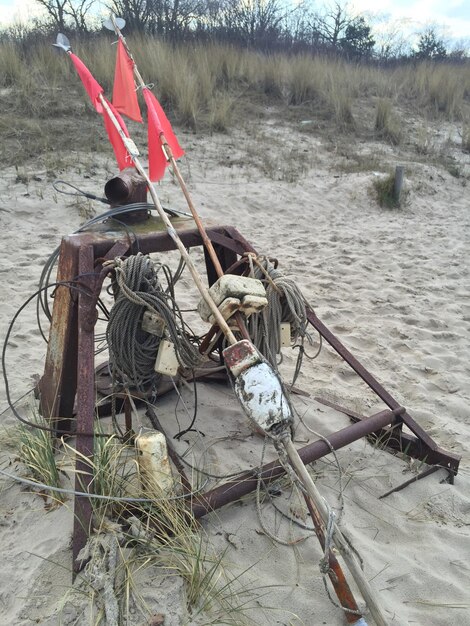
x=134, y=154
x=169, y=154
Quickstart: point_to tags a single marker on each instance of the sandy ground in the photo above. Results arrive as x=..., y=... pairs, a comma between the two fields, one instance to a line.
x=393, y=285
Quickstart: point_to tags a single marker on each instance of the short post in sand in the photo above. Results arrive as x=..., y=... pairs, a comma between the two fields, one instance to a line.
x=398, y=183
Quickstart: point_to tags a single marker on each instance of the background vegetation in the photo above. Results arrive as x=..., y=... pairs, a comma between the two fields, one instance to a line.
x=268, y=25
x=218, y=64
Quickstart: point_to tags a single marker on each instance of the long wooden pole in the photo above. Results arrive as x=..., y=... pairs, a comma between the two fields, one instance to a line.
x=342, y=545
x=335, y=572
x=179, y=177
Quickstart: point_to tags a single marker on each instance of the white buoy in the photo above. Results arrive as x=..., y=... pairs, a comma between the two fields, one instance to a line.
x=155, y=472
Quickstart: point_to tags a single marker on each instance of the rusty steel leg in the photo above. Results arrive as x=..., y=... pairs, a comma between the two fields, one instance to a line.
x=58, y=384
x=86, y=404
x=434, y=453
x=247, y=482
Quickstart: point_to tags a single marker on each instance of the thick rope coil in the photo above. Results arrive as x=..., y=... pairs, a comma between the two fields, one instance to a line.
x=285, y=304
x=133, y=351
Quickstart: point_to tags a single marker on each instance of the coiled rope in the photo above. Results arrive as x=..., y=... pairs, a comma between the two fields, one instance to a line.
x=133, y=351
x=285, y=304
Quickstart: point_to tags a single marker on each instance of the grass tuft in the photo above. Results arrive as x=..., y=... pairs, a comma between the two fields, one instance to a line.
x=387, y=125
x=466, y=138
x=37, y=453
x=385, y=193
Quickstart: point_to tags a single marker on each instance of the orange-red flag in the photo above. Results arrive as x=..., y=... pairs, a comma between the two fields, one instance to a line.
x=158, y=124
x=122, y=156
x=124, y=93
x=94, y=90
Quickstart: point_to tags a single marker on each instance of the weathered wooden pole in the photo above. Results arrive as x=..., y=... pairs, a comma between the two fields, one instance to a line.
x=398, y=183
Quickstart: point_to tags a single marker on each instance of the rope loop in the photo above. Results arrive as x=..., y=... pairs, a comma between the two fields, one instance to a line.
x=132, y=350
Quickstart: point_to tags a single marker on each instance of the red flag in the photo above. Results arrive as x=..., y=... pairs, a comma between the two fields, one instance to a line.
x=157, y=124
x=122, y=156
x=94, y=90
x=124, y=93
x=92, y=87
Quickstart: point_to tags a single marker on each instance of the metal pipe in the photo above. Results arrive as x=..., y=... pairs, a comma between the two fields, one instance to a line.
x=128, y=186
x=247, y=482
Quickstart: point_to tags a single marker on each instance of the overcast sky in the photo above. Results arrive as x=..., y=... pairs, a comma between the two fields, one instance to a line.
x=452, y=15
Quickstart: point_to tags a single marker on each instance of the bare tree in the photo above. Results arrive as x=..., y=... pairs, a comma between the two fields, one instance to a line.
x=137, y=13
x=332, y=23
x=174, y=18
x=56, y=10
x=251, y=22
x=78, y=12
x=390, y=40
x=63, y=14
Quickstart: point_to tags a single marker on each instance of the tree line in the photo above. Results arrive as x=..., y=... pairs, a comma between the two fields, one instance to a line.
x=267, y=25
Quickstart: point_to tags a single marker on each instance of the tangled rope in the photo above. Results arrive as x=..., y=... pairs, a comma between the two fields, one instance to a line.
x=285, y=304
x=133, y=351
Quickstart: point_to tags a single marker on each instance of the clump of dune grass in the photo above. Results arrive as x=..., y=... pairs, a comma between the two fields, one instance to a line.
x=387, y=125
x=303, y=81
x=163, y=541
x=159, y=536
x=111, y=472
x=384, y=188
x=36, y=451
x=466, y=137
x=424, y=144
x=221, y=112
x=44, y=99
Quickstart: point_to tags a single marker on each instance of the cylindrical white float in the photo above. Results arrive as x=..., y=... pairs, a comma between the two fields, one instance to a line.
x=155, y=472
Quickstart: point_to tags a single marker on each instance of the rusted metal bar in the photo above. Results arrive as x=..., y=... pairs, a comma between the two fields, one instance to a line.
x=434, y=451
x=403, y=442
x=128, y=418
x=242, y=244
x=85, y=405
x=150, y=238
x=427, y=472
x=58, y=383
x=335, y=573
x=246, y=482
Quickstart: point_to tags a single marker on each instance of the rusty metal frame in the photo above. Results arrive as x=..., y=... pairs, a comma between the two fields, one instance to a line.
x=69, y=368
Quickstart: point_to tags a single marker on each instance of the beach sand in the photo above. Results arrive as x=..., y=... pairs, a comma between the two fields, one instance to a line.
x=393, y=285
